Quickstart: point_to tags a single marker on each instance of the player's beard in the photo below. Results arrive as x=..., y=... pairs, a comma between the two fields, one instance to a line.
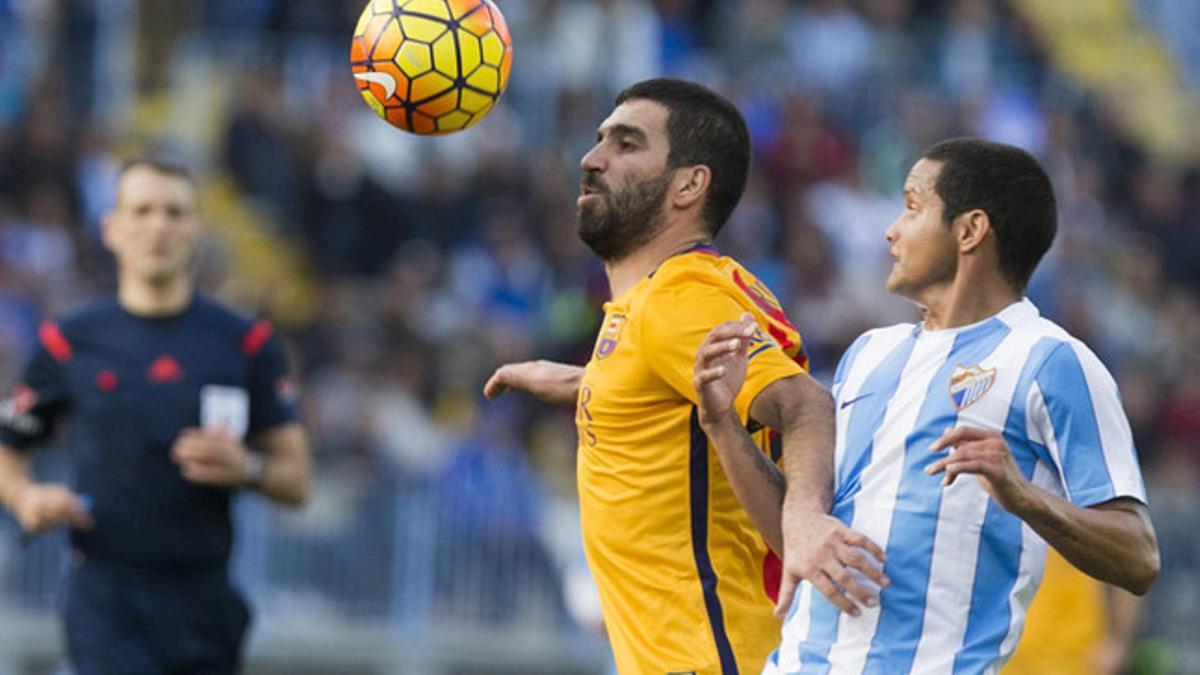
x=627, y=219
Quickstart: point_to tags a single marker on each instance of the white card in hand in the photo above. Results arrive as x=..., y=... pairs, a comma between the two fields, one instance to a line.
x=224, y=406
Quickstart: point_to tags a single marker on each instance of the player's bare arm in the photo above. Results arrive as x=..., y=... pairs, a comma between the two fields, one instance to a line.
x=549, y=381
x=1113, y=541
x=719, y=372
x=816, y=546
x=37, y=507
x=1124, y=611
x=217, y=458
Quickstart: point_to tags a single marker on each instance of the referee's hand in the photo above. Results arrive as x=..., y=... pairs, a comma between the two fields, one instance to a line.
x=211, y=457
x=41, y=507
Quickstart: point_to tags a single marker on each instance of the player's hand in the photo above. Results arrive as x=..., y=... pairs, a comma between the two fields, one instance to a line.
x=719, y=370
x=211, y=457
x=843, y=565
x=550, y=382
x=985, y=455
x=42, y=507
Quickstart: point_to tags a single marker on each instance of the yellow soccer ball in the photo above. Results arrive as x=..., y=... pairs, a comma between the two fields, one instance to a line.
x=431, y=66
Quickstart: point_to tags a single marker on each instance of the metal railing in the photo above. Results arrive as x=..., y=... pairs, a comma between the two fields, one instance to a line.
x=376, y=582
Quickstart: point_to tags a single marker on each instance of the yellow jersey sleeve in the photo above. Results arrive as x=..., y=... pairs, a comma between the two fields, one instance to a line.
x=689, y=299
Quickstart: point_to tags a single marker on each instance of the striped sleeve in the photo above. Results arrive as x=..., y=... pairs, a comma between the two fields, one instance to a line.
x=1077, y=412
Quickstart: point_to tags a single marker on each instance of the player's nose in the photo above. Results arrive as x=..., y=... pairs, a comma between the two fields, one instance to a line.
x=593, y=160
x=890, y=233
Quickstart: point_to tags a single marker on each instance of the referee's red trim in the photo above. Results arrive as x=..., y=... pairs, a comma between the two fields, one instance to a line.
x=54, y=341
x=256, y=338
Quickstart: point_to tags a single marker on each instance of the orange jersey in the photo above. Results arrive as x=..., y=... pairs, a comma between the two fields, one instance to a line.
x=679, y=565
x=1065, y=623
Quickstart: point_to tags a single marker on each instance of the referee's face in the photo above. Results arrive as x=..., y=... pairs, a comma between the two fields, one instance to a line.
x=154, y=230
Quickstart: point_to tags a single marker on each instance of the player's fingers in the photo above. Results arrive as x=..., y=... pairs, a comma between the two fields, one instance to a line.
x=709, y=375
x=957, y=468
x=787, y=591
x=958, y=435
x=749, y=324
x=495, y=384
x=826, y=586
x=862, y=541
x=713, y=350
x=859, y=561
x=850, y=584
x=730, y=329
x=939, y=465
x=961, y=452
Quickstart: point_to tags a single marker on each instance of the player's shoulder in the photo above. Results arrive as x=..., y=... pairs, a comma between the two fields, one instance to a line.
x=1052, y=344
x=876, y=343
x=702, y=263
x=885, y=334
x=702, y=270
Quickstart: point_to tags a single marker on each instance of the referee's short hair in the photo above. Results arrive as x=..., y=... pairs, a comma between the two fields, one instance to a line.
x=158, y=164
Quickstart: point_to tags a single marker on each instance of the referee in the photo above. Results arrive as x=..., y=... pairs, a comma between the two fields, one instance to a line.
x=176, y=404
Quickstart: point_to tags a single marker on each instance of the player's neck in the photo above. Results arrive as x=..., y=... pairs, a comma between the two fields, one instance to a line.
x=964, y=301
x=624, y=273
x=154, y=300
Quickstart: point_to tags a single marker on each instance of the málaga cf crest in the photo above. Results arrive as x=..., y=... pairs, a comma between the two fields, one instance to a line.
x=969, y=383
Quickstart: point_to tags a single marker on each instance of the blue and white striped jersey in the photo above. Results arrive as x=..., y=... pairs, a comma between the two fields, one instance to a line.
x=963, y=570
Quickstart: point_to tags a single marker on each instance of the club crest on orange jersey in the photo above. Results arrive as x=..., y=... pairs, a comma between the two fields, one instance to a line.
x=968, y=384
x=610, y=335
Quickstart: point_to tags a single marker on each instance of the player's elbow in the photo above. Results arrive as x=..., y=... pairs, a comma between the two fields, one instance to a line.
x=817, y=412
x=1145, y=566
x=803, y=402
x=1146, y=572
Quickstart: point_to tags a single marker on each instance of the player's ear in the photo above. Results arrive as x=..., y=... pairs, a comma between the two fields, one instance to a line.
x=971, y=229
x=690, y=185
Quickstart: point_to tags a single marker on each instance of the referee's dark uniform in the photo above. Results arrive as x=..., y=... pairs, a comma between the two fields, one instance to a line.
x=149, y=592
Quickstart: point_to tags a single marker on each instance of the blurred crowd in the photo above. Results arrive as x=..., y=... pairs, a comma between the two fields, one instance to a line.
x=434, y=260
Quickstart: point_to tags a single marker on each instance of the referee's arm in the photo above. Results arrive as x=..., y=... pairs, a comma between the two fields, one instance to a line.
x=286, y=475
x=37, y=507
x=281, y=469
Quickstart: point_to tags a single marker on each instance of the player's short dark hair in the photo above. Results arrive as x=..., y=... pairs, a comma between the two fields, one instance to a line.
x=1007, y=184
x=703, y=127
x=163, y=165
